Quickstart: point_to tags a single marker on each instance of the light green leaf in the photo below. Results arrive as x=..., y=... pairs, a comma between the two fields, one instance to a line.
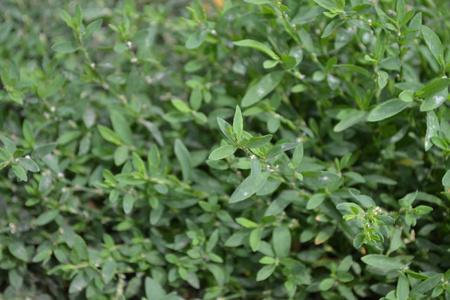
x=402, y=287
x=315, y=201
x=184, y=159
x=353, y=119
x=259, y=141
x=43, y=150
x=128, y=203
x=249, y=187
x=64, y=47
x=121, y=127
x=446, y=179
x=426, y=285
x=382, y=262
x=275, y=150
x=258, y=46
x=434, y=101
x=196, y=39
x=387, y=109
x=222, y=152
x=255, y=239
x=18, y=250
x=246, y=223
x=109, y=135
x=20, y=172
x=326, y=284
x=9, y=144
x=108, y=271
x=120, y=155
x=267, y=84
x=153, y=290
x=28, y=164
x=433, y=88
x=432, y=129
x=265, y=272
x=68, y=137
x=319, y=179
x=47, y=217
x=238, y=123
x=281, y=241
x=433, y=42
x=181, y=106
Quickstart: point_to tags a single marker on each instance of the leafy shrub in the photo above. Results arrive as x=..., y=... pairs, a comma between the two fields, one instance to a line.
x=249, y=149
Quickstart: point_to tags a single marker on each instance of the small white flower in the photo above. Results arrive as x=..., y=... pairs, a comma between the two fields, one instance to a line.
x=134, y=60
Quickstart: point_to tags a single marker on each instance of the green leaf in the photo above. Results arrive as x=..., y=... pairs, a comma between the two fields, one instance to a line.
x=427, y=285
x=280, y=148
x=406, y=96
x=238, y=123
x=266, y=85
x=249, y=187
x=356, y=69
x=196, y=39
x=387, y=109
x=108, y=271
x=422, y=210
x=446, y=179
x=246, y=223
x=9, y=144
x=18, y=250
x=433, y=42
x=121, y=127
x=64, y=47
x=222, y=152
x=28, y=164
x=432, y=129
x=68, y=137
x=315, y=201
x=153, y=290
x=434, y=101
x=109, y=135
x=138, y=163
x=297, y=157
x=258, y=2
x=20, y=172
x=326, y=284
x=382, y=262
x=255, y=239
x=120, y=155
x=181, y=106
x=184, y=159
x=433, y=88
x=258, y=46
x=363, y=200
x=226, y=128
x=259, y=141
x=128, y=203
x=353, y=119
x=319, y=179
x=78, y=284
x=265, y=272
x=402, y=287
x=43, y=150
x=281, y=241
x=47, y=217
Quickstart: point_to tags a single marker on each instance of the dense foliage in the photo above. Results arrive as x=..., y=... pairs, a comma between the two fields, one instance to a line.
x=251, y=149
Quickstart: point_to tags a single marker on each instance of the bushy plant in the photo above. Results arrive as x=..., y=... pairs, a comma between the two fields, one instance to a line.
x=232, y=149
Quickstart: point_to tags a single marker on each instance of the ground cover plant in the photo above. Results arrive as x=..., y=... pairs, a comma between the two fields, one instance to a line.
x=251, y=149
